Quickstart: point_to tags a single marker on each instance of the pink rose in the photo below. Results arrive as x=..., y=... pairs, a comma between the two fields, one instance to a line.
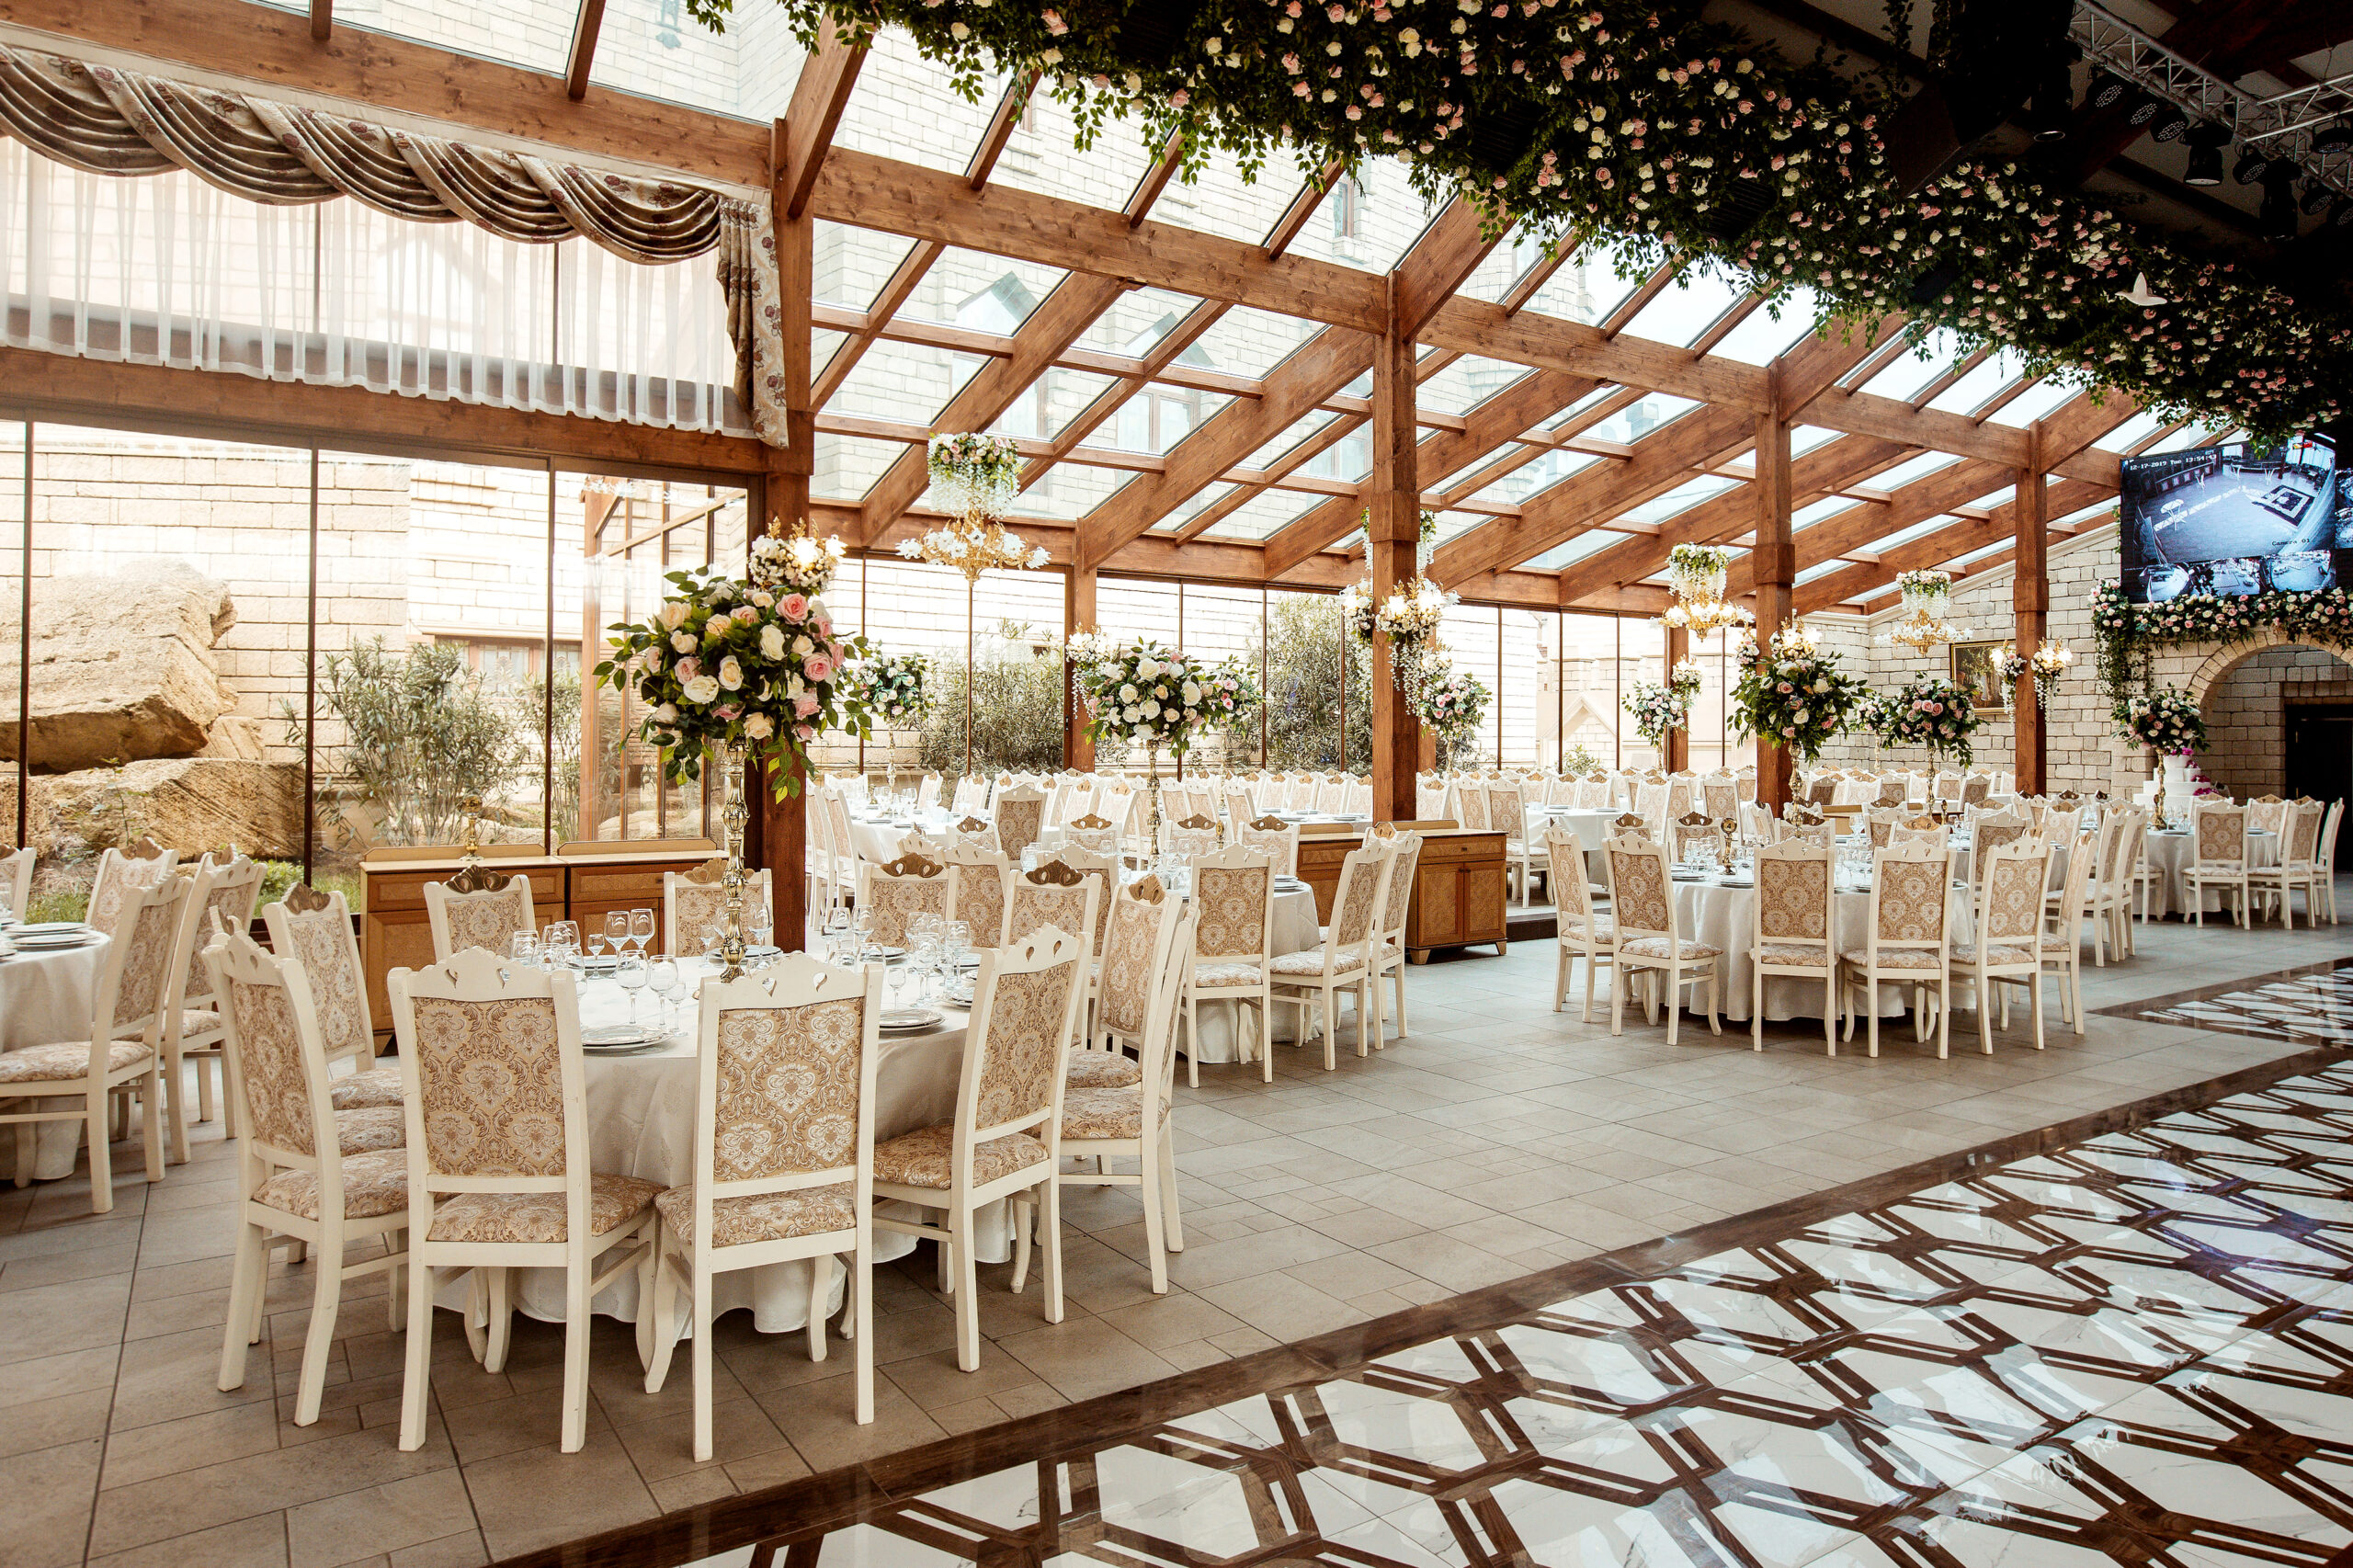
x=746, y=615
x=825, y=629
x=804, y=732
x=804, y=706
x=689, y=668
x=732, y=713
x=793, y=607
x=819, y=667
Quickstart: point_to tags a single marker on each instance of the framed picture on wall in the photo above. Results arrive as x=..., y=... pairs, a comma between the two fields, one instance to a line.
x=1976, y=669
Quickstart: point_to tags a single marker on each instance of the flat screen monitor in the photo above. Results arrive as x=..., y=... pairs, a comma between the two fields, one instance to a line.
x=2233, y=520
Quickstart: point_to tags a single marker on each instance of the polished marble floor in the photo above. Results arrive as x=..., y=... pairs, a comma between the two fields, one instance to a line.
x=2314, y=1009
x=1501, y=1142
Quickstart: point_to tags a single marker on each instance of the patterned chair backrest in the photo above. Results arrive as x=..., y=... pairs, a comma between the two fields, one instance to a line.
x=927, y=791
x=1903, y=832
x=228, y=891
x=320, y=940
x=1238, y=807
x=276, y=1066
x=919, y=886
x=1507, y=810
x=1594, y=793
x=1824, y=831
x=1693, y=831
x=2221, y=835
x=785, y=1087
x=1020, y=817
x=1332, y=795
x=1948, y=786
x=1879, y=819
x=1681, y=796
x=1471, y=805
x=485, y=920
x=1822, y=789
x=1404, y=865
x=118, y=874
x=1891, y=791
x=1233, y=904
x=978, y=897
x=1023, y=1015
x=130, y=996
x=1429, y=800
x=1910, y=888
x=1793, y=893
x=491, y=1072
x=2303, y=837
x=2115, y=839
x=695, y=913
x=1564, y=857
x=971, y=795
x=1640, y=894
x=1720, y=796
x=1354, y=905
x=1281, y=842
x=1143, y=915
x=17, y=879
x=1191, y=837
x=1993, y=830
x=1650, y=804
x=2009, y=909
x=2266, y=813
x=1975, y=788
x=1060, y=894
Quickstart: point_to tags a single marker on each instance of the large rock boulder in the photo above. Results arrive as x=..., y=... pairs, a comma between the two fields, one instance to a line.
x=193, y=803
x=122, y=666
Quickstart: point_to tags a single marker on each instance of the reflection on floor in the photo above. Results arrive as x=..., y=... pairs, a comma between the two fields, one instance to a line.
x=2307, y=1009
x=2134, y=1348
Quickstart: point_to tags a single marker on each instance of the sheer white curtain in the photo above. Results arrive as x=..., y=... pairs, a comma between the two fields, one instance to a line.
x=165, y=269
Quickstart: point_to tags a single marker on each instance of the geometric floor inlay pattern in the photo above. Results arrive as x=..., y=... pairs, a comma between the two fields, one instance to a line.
x=2307, y=1009
x=2137, y=1349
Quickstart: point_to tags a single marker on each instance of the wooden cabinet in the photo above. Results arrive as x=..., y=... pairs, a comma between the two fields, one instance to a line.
x=394, y=933
x=1459, y=888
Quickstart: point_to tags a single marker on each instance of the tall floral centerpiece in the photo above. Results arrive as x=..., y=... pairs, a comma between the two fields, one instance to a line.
x=1660, y=708
x=1148, y=695
x=729, y=667
x=1928, y=711
x=1450, y=704
x=896, y=689
x=1230, y=697
x=1794, y=696
x=2168, y=723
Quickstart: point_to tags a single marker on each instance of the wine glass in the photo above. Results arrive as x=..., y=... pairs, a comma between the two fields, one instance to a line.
x=662, y=974
x=897, y=978
x=641, y=928
x=617, y=930
x=524, y=948
x=630, y=969
x=758, y=923
x=861, y=926
x=958, y=943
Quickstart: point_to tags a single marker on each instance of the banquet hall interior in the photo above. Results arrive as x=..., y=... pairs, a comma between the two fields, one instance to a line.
x=1401, y=784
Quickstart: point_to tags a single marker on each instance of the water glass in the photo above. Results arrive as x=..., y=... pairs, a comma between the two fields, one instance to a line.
x=524, y=948
x=958, y=942
x=861, y=926
x=616, y=929
x=630, y=969
x=662, y=978
x=641, y=927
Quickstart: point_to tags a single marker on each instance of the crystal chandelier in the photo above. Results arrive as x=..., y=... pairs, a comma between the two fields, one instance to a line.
x=1925, y=597
x=1695, y=575
x=975, y=479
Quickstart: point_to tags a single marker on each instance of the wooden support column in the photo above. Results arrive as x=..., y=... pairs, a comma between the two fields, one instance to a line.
x=1773, y=562
x=1391, y=532
x=2030, y=599
x=1678, y=742
x=1078, y=615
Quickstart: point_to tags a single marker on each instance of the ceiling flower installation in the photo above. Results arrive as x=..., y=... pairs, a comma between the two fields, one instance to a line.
x=1681, y=133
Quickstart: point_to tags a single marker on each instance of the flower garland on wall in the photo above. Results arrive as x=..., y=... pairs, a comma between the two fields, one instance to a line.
x=1794, y=695
x=1928, y=711
x=2128, y=634
x=1684, y=135
x=751, y=663
x=1660, y=707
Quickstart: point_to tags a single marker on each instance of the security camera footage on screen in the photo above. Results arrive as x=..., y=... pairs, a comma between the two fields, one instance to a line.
x=2234, y=519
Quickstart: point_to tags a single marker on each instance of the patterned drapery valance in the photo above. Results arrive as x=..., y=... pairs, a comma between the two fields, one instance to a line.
x=108, y=120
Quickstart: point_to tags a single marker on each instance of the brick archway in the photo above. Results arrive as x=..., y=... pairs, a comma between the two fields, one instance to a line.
x=2223, y=660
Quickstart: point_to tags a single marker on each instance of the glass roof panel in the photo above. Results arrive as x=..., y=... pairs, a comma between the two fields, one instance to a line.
x=1469, y=381
x=1824, y=570
x=980, y=293
x=1532, y=478
x=1042, y=155
x=1139, y=319
x=1828, y=506
x=1917, y=467
x=1917, y=369
x=1993, y=373
x=1453, y=525
x=2043, y=398
x=1762, y=337
x=899, y=92
x=646, y=47
x=909, y=381
x=1906, y=535
x=1158, y=417
x=1505, y=266
x=535, y=34
x=1983, y=551
x=1590, y=542
x=1047, y=406
x=1263, y=513
x=1683, y=310
x=2083, y=515
x=1195, y=504
x=1682, y=498
x=852, y=265
x=1639, y=419
x=1070, y=491
x=2125, y=436
x=1250, y=343
x=1290, y=436
x=2189, y=436
x=848, y=466
x=1804, y=439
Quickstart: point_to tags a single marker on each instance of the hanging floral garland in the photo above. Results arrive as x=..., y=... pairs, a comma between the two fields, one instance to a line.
x=1928, y=711
x=1660, y=707
x=1686, y=136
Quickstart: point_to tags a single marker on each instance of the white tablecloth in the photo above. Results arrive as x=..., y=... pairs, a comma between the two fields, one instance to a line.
x=44, y=998
x=2170, y=856
x=1294, y=932
x=1591, y=827
x=1725, y=917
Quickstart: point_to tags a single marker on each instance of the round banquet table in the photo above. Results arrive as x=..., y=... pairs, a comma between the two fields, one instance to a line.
x=1725, y=917
x=642, y=1123
x=2170, y=855
x=1294, y=932
x=45, y=998
x=1590, y=824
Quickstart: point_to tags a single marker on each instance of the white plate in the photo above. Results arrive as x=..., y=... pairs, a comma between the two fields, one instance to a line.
x=54, y=929
x=612, y=1035
x=52, y=944
x=907, y=1020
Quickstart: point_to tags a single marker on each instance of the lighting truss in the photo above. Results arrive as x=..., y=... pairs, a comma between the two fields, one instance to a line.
x=2283, y=124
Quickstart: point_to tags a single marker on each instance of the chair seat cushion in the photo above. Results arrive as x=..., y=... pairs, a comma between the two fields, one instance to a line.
x=376, y=1087
x=1105, y=1113
x=762, y=1217
x=373, y=1184
x=927, y=1157
x=521, y=1217
x=1893, y=958
x=1211, y=976
x=370, y=1128
x=1310, y=962
x=1790, y=953
x=1600, y=928
x=1999, y=953
x=1101, y=1069
x=1660, y=948
x=2055, y=942
x=67, y=1059
x=198, y=1022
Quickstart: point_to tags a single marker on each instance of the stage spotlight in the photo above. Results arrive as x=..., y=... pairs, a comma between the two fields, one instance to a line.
x=2172, y=120
x=2142, y=112
x=2108, y=90
x=2341, y=215
x=2277, y=217
x=2206, y=144
x=2250, y=166
x=2335, y=137
x=2316, y=195
x=2053, y=104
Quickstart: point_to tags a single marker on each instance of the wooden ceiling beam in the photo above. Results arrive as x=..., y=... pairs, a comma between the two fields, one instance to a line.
x=1935, y=549
x=804, y=136
x=323, y=22
x=1155, y=180
x=580, y=58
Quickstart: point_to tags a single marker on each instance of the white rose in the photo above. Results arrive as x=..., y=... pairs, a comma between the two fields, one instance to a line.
x=1132, y=714
x=1151, y=710
x=730, y=674
x=665, y=714
x=702, y=690
x=685, y=641
x=1127, y=693
x=1192, y=693
x=802, y=647
x=1147, y=669
x=758, y=727
x=673, y=614
x=795, y=687
x=771, y=642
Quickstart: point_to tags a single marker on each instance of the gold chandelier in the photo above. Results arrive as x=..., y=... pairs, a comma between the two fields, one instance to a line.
x=975, y=478
x=1926, y=596
x=1695, y=575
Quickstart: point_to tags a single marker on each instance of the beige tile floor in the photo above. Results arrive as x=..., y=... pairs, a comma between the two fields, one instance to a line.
x=1500, y=1139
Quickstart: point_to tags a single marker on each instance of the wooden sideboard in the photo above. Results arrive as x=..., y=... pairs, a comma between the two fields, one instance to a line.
x=394, y=934
x=1459, y=888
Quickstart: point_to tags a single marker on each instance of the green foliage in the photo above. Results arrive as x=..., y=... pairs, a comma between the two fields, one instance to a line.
x=1580, y=758
x=1017, y=707
x=1307, y=666
x=421, y=734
